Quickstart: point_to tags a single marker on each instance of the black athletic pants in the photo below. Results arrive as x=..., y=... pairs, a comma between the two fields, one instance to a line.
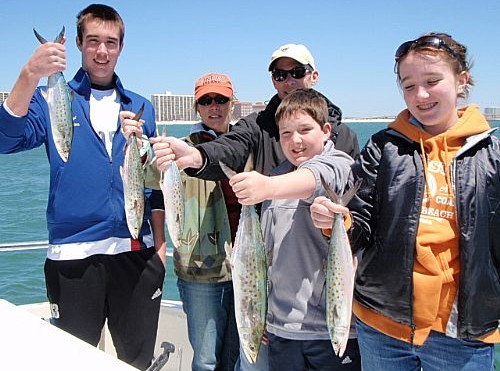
x=125, y=289
x=311, y=355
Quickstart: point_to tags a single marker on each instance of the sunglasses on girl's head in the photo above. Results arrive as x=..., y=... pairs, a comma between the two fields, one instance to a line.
x=207, y=100
x=423, y=41
x=296, y=73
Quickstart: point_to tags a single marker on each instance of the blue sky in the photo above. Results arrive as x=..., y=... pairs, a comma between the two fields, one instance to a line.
x=170, y=43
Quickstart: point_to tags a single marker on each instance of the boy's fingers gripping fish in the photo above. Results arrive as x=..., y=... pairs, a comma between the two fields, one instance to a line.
x=58, y=97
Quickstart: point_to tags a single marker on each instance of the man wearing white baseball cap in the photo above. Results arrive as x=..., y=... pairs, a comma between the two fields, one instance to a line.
x=295, y=51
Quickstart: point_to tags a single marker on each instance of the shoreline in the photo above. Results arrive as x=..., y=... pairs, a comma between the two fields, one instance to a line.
x=367, y=120
x=361, y=120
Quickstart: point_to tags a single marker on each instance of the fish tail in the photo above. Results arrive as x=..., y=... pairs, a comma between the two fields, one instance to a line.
x=43, y=40
x=39, y=37
x=139, y=113
x=60, y=36
x=346, y=197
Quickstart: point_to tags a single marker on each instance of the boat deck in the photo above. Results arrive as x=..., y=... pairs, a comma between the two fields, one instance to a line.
x=172, y=328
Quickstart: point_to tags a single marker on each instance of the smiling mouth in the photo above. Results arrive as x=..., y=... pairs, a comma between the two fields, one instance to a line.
x=427, y=106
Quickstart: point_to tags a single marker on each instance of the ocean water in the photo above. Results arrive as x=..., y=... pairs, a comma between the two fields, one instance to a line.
x=24, y=179
x=23, y=199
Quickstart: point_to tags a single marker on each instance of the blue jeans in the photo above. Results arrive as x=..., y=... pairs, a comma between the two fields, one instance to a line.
x=262, y=363
x=212, y=332
x=438, y=353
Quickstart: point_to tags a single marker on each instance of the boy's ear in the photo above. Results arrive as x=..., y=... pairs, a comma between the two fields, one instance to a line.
x=327, y=128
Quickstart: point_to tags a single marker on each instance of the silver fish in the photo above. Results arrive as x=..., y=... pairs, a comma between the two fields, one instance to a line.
x=173, y=196
x=249, y=271
x=132, y=173
x=340, y=274
x=58, y=97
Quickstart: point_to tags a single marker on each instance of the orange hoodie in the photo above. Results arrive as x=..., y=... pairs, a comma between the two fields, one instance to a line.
x=436, y=269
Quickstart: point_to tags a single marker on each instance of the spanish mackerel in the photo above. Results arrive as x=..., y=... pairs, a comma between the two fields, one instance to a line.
x=173, y=197
x=249, y=271
x=58, y=97
x=340, y=274
x=132, y=173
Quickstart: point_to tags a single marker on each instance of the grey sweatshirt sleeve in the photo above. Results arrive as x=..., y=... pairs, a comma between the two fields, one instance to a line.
x=335, y=168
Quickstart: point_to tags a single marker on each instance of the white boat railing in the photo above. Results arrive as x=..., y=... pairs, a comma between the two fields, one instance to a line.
x=19, y=246
x=34, y=245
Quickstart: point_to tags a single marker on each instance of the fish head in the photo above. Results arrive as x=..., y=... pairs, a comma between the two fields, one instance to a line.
x=339, y=342
x=251, y=351
x=227, y=170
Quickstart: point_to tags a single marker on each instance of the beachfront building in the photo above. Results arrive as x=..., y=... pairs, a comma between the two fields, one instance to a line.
x=242, y=109
x=492, y=113
x=259, y=106
x=3, y=96
x=174, y=107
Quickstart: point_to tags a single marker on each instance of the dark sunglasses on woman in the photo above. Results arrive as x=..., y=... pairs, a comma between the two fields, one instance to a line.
x=207, y=100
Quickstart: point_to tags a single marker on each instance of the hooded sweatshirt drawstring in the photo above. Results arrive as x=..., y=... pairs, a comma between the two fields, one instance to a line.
x=426, y=165
x=447, y=167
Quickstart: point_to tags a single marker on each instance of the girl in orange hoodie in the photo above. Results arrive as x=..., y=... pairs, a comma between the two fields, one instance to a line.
x=427, y=220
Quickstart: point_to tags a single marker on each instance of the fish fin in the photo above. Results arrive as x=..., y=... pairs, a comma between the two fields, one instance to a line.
x=227, y=170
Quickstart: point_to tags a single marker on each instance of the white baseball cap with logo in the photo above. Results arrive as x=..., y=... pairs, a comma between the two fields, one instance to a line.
x=295, y=51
